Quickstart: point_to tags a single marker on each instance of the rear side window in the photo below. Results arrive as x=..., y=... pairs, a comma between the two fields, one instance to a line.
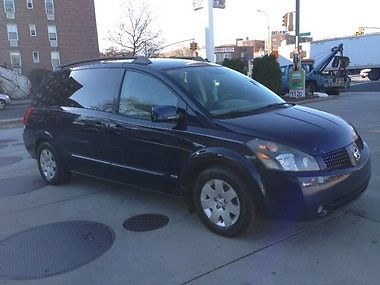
x=88, y=88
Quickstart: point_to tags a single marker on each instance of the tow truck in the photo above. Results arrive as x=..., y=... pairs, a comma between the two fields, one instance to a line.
x=317, y=78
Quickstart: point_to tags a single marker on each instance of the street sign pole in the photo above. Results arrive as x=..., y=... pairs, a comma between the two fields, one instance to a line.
x=297, y=77
x=297, y=61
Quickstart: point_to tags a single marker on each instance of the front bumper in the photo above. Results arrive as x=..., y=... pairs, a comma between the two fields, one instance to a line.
x=302, y=196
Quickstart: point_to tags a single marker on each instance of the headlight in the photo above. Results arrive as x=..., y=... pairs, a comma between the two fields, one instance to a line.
x=281, y=157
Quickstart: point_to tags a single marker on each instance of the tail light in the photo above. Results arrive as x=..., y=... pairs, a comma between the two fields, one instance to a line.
x=27, y=115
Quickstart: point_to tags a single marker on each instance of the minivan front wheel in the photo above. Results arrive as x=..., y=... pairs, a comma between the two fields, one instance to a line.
x=222, y=202
x=50, y=165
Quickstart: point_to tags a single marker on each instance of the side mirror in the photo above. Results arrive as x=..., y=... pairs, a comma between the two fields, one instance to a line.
x=167, y=114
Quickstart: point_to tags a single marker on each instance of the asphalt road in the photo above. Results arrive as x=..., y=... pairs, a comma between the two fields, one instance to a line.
x=342, y=248
x=364, y=86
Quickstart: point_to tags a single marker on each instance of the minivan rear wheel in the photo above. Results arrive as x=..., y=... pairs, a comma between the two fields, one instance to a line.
x=222, y=201
x=50, y=165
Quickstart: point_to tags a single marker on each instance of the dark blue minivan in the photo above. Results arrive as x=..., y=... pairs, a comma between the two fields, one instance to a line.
x=225, y=143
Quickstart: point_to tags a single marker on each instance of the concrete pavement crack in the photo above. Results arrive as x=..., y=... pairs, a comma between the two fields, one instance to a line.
x=281, y=241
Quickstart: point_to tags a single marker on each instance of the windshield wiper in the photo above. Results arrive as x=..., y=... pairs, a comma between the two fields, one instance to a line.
x=275, y=105
x=235, y=114
x=243, y=113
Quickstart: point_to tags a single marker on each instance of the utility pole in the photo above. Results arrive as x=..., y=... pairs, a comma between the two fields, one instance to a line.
x=209, y=31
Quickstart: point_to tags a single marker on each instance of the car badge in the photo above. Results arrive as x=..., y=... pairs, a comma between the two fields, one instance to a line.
x=356, y=153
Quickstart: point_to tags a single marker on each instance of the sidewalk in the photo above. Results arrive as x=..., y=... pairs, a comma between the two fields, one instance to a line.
x=26, y=101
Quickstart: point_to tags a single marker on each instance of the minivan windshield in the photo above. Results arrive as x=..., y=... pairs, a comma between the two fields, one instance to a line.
x=224, y=92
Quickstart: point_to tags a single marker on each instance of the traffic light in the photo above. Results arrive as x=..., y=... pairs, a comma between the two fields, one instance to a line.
x=193, y=46
x=285, y=20
x=290, y=26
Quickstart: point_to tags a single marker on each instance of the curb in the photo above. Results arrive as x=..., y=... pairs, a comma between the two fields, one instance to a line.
x=15, y=102
x=313, y=100
x=10, y=122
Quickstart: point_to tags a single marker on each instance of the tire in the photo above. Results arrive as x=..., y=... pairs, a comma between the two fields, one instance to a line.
x=374, y=75
x=223, y=192
x=310, y=88
x=333, y=91
x=2, y=104
x=50, y=165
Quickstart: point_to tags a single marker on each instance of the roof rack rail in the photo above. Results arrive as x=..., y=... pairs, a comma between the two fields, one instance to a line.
x=136, y=60
x=195, y=58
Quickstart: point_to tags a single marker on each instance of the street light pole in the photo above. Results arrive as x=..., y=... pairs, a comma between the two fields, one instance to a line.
x=269, y=44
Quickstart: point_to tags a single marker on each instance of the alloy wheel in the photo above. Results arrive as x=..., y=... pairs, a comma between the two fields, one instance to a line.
x=220, y=203
x=48, y=164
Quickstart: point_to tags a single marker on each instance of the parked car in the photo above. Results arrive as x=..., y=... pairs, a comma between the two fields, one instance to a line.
x=4, y=101
x=364, y=72
x=229, y=146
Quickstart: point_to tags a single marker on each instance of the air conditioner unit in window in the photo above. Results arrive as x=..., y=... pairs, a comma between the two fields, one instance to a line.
x=10, y=15
x=53, y=43
x=13, y=43
x=51, y=17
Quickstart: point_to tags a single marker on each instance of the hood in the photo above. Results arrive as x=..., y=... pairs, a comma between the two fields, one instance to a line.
x=309, y=130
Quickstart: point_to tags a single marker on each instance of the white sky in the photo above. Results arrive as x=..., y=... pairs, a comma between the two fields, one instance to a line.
x=177, y=21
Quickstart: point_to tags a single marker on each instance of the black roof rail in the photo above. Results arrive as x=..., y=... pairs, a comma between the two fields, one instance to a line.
x=195, y=58
x=136, y=60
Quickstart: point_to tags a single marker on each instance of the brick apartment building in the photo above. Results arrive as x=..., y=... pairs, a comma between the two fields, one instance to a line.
x=46, y=33
x=245, y=50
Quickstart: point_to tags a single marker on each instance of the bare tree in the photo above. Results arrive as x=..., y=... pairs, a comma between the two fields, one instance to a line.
x=135, y=31
x=115, y=51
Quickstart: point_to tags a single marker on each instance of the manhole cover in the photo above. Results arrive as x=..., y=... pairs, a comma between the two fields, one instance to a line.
x=52, y=249
x=8, y=160
x=145, y=222
x=19, y=185
x=7, y=141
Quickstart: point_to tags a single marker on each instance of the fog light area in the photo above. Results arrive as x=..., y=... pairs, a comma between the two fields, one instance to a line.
x=307, y=182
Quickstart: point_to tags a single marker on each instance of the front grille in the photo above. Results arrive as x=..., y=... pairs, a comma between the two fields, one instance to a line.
x=337, y=159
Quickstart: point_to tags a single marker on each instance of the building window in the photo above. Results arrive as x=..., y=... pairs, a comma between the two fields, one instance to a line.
x=55, y=60
x=12, y=35
x=9, y=8
x=53, y=37
x=33, y=30
x=36, y=56
x=49, y=7
x=29, y=4
x=16, y=61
